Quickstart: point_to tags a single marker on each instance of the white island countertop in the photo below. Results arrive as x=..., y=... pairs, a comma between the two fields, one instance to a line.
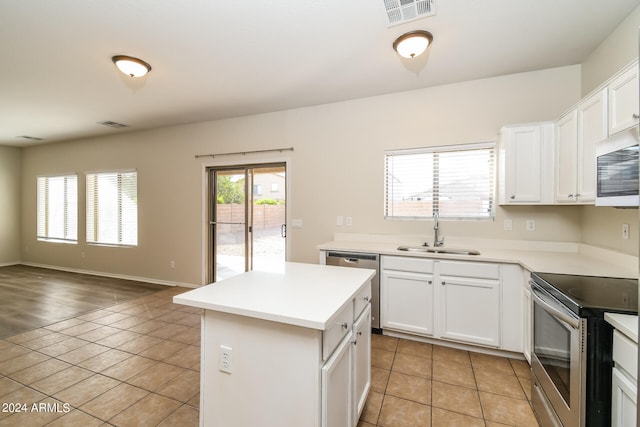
x=307, y=295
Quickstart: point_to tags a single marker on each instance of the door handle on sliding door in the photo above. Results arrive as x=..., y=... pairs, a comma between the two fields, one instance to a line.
x=283, y=230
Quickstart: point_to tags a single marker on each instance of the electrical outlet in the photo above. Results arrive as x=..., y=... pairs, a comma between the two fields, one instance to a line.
x=172, y=264
x=224, y=359
x=349, y=221
x=339, y=220
x=625, y=231
x=508, y=224
x=531, y=225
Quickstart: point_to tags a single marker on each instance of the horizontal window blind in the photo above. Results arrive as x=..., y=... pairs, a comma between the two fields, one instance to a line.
x=112, y=208
x=457, y=182
x=57, y=208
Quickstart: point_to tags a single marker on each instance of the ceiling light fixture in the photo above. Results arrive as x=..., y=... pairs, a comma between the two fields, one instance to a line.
x=413, y=43
x=131, y=66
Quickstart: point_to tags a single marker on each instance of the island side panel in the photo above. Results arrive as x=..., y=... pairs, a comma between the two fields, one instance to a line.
x=275, y=372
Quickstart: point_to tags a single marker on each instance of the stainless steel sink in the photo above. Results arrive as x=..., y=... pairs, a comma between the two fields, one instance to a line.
x=438, y=250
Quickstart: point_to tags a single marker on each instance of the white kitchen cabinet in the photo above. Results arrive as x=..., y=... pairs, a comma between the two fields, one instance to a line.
x=525, y=162
x=361, y=363
x=575, y=163
x=623, y=100
x=527, y=319
x=460, y=301
x=624, y=380
x=336, y=387
x=406, y=294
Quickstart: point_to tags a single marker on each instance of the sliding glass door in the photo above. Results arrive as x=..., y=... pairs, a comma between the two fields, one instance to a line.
x=247, y=219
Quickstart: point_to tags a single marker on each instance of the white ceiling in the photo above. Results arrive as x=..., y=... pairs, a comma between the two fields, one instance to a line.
x=215, y=59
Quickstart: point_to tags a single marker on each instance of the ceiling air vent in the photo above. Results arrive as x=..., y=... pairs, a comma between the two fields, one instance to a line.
x=400, y=11
x=32, y=138
x=113, y=124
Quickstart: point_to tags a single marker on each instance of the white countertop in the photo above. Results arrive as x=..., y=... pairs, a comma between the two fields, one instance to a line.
x=548, y=257
x=625, y=323
x=306, y=295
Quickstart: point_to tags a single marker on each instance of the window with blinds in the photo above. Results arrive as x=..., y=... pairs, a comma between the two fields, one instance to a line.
x=57, y=208
x=457, y=182
x=112, y=208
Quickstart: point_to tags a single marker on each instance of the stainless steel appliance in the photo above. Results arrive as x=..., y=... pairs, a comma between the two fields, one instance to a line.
x=572, y=346
x=617, y=170
x=362, y=260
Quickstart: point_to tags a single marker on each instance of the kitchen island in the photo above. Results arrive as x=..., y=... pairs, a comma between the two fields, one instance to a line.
x=290, y=348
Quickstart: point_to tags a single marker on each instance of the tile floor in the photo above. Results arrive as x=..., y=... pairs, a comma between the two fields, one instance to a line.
x=137, y=364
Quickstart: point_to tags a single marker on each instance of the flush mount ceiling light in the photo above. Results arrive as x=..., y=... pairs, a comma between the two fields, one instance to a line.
x=413, y=43
x=131, y=66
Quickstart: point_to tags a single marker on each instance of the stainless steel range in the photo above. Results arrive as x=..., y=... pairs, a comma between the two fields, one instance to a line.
x=572, y=346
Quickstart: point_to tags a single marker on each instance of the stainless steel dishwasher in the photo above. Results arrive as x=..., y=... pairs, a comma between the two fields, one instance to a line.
x=362, y=260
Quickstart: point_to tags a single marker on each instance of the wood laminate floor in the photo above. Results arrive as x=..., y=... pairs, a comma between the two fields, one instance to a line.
x=32, y=297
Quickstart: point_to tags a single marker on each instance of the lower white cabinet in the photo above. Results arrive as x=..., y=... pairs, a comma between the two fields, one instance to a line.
x=361, y=363
x=527, y=312
x=624, y=390
x=460, y=301
x=336, y=387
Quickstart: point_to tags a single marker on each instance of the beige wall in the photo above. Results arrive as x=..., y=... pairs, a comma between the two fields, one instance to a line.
x=336, y=169
x=10, y=164
x=603, y=226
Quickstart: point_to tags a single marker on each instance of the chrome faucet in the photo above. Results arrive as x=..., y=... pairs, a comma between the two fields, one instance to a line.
x=436, y=227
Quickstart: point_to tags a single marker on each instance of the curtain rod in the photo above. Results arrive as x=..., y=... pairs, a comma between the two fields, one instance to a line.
x=245, y=152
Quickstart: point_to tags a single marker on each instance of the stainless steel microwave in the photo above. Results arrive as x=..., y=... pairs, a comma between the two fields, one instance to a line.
x=617, y=170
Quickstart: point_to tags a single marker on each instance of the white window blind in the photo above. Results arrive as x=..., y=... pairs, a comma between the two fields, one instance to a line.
x=112, y=208
x=457, y=182
x=57, y=208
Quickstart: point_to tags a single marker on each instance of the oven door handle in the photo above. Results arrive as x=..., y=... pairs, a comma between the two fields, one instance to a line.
x=557, y=313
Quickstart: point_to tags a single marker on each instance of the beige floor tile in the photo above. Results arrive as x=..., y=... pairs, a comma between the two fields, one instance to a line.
x=415, y=348
x=162, y=350
x=62, y=347
x=21, y=362
x=85, y=390
x=526, y=384
x=456, y=399
x=183, y=387
x=379, y=379
x=184, y=416
x=521, y=368
x=443, y=418
x=382, y=359
x=195, y=401
x=97, y=314
x=409, y=387
x=128, y=322
x=79, y=329
x=64, y=324
x=507, y=410
x=172, y=331
x=139, y=344
x=412, y=365
x=83, y=353
x=39, y=371
x=61, y=380
x=129, y=368
x=505, y=385
x=38, y=413
x=111, y=318
x=12, y=351
x=495, y=364
x=76, y=418
x=28, y=336
x=23, y=394
x=397, y=412
x=7, y=385
x=365, y=424
x=191, y=336
x=384, y=342
x=185, y=357
x=156, y=376
x=102, y=331
x=44, y=341
x=114, y=401
x=104, y=360
x=150, y=410
x=451, y=355
x=453, y=373
x=372, y=406
x=118, y=338
x=147, y=326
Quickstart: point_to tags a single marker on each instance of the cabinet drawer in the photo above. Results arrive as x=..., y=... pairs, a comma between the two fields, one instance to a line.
x=470, y=269
x=416, y=265
x=337, y=329
x=361, y=301
x=625, y=353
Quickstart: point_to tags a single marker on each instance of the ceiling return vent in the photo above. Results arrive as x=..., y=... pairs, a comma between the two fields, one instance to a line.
x=400, y=11
x=113, y=124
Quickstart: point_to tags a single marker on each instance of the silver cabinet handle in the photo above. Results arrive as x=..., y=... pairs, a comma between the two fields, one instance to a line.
x=430, y=281
x=345, y=325
x=513, y=196
x=444, y=283
x=635, y=116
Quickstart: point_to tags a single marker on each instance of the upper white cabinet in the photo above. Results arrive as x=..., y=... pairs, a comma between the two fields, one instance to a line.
x=623, y=100
x=526, y=164
x=577, y=133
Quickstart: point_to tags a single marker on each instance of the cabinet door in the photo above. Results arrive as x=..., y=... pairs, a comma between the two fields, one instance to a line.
x=407, y=302
x=623, y=100
x=361, y=357
x=523, y=168
x=470, y=310
x=336, y=387
x=567, y=157
x=592, y=127
x=623, y=400
x=527, y=335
